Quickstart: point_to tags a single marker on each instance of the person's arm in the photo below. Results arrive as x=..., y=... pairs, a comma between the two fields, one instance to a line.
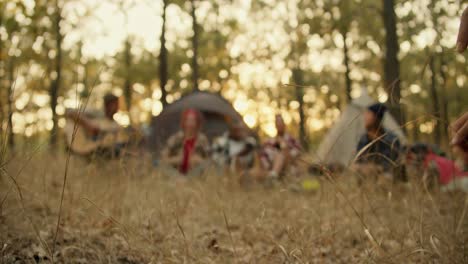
x=462, y=39
x=460, y=127
x=460, y=132
x=175, y=160
x=167, y=153
x=205, y=149
x=296, y=148
x=79, y=119
x=196, y=159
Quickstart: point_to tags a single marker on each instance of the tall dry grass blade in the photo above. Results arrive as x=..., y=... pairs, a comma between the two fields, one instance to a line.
x=23, y=208
x=434, y=241
x=3, y=162
x=24, y=165
x=81, y=108
x=16, y=185
x=230, y=236
x=181, y=229
x=126, y=230
x=462, y=217
x=329, y=177
x=374, y=243
x=421, y=239
x=366, y=147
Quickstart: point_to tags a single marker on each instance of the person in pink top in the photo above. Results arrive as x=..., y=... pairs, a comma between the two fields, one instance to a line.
x=438, y=170
x=279, y=153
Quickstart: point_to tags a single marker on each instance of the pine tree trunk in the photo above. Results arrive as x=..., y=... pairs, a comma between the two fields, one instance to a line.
x=55, y=85
x=84, y=78
x=163, y=60
x=344, y=34
x=299, y=92
x=415, y=129
x=11, y=70
x=435, y=101
x=444, y=100
x=128, y=82
x=86, y=92
x=391, y=63
x=2, y=61
x=195, y=47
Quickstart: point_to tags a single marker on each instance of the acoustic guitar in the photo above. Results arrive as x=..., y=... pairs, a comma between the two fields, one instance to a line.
x=81, y=142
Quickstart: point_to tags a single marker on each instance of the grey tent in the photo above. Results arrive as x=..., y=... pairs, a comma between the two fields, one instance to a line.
x=339, y=144
x=214, y=108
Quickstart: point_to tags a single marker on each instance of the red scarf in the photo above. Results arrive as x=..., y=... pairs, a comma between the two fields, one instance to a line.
x=189, y=145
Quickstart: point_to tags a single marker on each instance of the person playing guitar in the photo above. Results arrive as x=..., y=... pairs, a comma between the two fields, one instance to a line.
x=90, y=134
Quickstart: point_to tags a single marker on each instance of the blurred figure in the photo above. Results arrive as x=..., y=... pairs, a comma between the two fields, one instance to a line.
x=111, y=106
x=280, y=153
x=460, y=132
x=462, y=39
x=188, y=149
x=438, y=170
x=378, y=149
x=461, y=157
x=460, y=126
x=236, y=148
x=97, y=133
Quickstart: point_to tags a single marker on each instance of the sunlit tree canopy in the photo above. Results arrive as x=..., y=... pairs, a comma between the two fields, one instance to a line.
x=302, y=58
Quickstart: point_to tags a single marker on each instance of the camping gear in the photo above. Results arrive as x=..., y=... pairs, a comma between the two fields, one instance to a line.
x=215, y=109
x=310, y=185
x=339, y=145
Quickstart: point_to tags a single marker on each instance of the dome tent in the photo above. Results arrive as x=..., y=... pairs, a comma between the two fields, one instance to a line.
x=215, y=110
x=340, y=142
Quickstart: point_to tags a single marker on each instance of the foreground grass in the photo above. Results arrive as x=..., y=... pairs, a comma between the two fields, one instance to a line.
x=127, y=212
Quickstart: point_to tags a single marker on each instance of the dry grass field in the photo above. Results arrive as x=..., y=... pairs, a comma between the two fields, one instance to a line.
x=127, y=212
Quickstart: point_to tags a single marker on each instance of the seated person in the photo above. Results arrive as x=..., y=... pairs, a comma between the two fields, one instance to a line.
x=279, y=154
x=438, y=170
x=461, y=157
x=188, y=149
x=236, y=148
x=95, y=133
x=378, y=149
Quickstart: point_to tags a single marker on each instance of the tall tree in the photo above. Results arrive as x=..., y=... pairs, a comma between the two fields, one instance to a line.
x=55, y=85
x=2, y=8
x=124, y=6
x=439, y=98
x=342, y=23
x=11, y=79
x=435, y=101
x=163, y=58
x=348, y=82
x=8, y=49
x=128, y=78
x=391, y=63
x=299, y=93
x=443, y=97
x=195, y=37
